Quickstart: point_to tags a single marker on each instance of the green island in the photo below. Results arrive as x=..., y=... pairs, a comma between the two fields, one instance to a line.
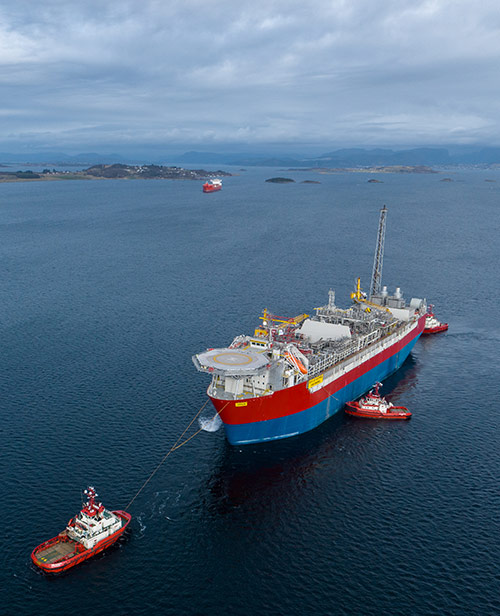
x=113, y=172
x=280, y=180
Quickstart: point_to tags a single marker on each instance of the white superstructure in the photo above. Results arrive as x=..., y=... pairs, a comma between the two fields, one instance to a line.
x=94, y=523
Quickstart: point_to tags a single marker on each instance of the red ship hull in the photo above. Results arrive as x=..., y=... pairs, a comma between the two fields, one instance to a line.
x=79, y=554
x=209, y=188
x=435, y=330
x=296, y=410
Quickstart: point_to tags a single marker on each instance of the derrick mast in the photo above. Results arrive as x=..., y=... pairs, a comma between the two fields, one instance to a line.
x=376, y=282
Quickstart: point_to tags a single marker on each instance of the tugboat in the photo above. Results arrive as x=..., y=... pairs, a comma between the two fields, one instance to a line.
x=432, y=325
x=374, y=406
x=88, y=533
x=212, y=186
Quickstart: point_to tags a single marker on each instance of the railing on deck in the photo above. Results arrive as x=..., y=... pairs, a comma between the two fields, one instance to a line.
x=351, y=350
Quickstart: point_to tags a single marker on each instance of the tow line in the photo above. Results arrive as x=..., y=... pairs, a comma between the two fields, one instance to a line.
x=176, y=445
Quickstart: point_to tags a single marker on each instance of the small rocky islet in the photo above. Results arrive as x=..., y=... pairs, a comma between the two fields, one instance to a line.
x=280, y=180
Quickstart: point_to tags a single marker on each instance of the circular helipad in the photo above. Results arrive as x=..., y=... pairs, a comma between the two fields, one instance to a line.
x=237, y=362
x=233, y=359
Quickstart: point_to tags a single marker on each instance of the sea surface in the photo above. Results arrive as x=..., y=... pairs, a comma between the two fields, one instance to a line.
x=109, y=287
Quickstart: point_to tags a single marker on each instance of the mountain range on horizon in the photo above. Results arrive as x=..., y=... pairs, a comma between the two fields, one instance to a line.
x=354, y=157
x=342, y=158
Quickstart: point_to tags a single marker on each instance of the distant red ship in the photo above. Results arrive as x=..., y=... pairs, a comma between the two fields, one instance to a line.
x=212, y=186
x=432, y=325
x=88, y=533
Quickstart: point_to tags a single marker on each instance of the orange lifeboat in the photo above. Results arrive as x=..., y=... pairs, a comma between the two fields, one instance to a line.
x=296, y=362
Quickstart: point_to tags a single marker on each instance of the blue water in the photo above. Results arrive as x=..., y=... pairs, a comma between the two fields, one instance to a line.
x=108, y=288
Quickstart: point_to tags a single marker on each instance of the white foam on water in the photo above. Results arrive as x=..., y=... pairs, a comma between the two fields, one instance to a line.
x=142, y=526
x=210, y=424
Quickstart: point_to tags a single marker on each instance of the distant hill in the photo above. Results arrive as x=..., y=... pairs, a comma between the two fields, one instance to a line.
x=352, y=157
x=342, y=158
x=359, y=157
x=487, y=156
x=241, y=159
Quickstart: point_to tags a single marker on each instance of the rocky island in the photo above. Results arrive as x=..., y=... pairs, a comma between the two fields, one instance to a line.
x=280, y=180
x=116, y=171
x=383, y=169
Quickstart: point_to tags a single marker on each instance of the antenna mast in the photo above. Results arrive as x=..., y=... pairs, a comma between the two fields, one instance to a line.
x=376, y=282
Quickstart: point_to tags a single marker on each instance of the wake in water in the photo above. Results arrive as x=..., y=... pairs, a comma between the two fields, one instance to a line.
x=142, y=525
x=210, y=424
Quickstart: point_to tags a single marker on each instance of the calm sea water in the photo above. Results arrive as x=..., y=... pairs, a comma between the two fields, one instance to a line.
x=108, y=288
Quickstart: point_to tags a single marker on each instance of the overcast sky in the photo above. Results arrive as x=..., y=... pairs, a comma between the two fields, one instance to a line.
x=111, y=75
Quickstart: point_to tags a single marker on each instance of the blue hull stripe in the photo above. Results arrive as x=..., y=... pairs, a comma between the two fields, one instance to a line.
x=291, y=425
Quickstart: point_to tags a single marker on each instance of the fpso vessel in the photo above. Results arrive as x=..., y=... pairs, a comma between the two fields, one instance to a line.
x=293, y=374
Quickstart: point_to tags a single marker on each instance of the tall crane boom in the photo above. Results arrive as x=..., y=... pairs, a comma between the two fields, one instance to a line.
x=378, y=260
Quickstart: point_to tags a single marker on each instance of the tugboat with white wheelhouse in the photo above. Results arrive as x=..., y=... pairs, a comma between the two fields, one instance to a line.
x=374, y=406
x=432, y=325
x=91, y=531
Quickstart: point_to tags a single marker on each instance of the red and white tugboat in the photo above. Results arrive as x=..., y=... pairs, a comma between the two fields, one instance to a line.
x=432, y=325
x=212, y=186
x=373, y=406
x=91, y=531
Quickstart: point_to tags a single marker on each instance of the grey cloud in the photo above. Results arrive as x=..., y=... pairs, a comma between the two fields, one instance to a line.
x=178, y=72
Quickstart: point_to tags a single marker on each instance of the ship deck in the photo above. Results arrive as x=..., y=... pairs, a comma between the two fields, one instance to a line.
x=328, y=365
x=56, y=551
